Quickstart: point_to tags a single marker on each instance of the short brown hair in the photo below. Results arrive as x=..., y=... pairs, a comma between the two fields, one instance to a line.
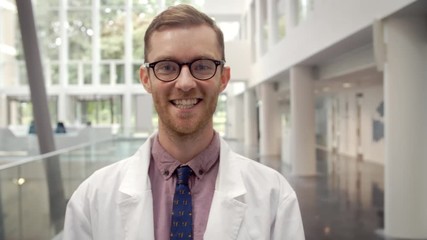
x=182, y=15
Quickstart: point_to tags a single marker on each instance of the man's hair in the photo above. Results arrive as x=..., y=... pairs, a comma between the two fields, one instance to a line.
x=182, y=15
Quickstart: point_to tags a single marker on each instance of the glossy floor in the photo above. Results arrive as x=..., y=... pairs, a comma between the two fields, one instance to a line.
x=344, y=201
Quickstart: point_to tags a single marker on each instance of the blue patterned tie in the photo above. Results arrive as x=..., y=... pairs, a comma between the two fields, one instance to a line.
x=182, y=219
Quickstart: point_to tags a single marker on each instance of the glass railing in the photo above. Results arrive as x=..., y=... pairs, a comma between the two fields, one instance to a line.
x=34, y=192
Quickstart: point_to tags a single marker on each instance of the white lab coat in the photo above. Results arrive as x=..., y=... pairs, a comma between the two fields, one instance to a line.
x=251, y=201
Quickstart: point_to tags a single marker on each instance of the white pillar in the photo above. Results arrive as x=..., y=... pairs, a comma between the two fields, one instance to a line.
x=250, y=119
x=96, y=42
x=63, y=62
x=405, y=85
x=269, y=116
x=234, y=128
x=303, y=155
x=161, y=4
x=14, y=112
x=3, y=110
x=127, y=113
x=144, y=113
x=291, y=14
x=127, y=97
x=128, y=44
x=273, y=29
x=63, y=108
x=259, y=23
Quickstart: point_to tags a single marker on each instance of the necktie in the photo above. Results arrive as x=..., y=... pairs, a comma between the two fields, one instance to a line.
x=182, y=219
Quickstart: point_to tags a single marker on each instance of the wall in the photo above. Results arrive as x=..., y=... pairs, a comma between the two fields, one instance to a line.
x=3, y=110
x=345, y=115
x=234, y=126
x=329, y=22
x=373, y=150
x=237, y=55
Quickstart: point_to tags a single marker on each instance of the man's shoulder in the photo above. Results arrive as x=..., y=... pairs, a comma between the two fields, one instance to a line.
x=116, y=171
x=262, y=177
x=111, y=176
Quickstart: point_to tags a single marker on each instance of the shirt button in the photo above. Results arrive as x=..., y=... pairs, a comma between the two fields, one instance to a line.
x=166, y=172
x=201, y=172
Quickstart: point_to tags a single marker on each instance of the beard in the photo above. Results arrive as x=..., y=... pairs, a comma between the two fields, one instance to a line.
x=186, y=124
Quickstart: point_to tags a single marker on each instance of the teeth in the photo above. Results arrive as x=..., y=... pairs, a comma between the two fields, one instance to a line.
x=185, y=103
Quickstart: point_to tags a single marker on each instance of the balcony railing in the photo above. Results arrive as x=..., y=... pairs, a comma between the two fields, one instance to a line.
x=32, y=206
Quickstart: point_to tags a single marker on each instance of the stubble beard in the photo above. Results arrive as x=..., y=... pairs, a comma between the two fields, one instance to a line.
x=185, y=127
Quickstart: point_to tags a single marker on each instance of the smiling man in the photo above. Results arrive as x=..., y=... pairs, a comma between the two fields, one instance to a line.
x=184, y=182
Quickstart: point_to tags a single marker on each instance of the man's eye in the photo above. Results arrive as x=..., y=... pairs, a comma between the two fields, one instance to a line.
x=166, y=67
x=201, y=67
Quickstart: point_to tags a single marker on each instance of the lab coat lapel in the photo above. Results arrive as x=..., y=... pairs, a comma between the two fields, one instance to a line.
x=135, y=197
x=227, y=209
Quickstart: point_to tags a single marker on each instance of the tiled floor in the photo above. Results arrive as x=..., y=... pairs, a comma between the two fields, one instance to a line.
x=343, y=202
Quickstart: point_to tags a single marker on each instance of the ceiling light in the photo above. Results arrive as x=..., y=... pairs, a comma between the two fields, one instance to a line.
x=346, y=85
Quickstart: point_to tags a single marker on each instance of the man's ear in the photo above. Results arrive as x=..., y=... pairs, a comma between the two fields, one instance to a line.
x=225, y=77
x=144, y=79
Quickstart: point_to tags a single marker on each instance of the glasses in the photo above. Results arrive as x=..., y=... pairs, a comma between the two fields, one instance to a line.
x=201, y=69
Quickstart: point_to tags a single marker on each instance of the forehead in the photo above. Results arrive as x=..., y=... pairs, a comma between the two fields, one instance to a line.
x=183, y=43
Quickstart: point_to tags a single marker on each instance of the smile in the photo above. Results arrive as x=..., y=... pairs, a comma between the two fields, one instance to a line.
x=186, y=103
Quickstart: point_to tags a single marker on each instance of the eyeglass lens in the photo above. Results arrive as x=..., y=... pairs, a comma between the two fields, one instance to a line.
x=202, y=69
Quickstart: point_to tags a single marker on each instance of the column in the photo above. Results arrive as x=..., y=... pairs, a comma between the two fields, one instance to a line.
x=127, y=113
x=405, y=127
x=259, y=23
x=291, y=14
x=250, y=119
x=63, y=62
x=127, y=97
x=96, y=42
x=144, y=113
x=63, y=107
x=273, y=29
x=234, y=127
x=303, y=155
x=269, y=116
x=128, y=44
x=3, y=110
x=161, y=4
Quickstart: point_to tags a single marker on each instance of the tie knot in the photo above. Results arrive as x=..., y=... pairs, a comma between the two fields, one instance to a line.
x=183, y=174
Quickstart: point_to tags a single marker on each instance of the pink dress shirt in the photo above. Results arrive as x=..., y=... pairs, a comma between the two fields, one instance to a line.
x=202, y=186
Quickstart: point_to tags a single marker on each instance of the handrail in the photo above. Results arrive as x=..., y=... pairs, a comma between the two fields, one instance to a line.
x=51, y=154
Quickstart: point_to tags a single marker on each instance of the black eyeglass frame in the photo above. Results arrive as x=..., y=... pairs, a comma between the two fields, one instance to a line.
x=153, y=64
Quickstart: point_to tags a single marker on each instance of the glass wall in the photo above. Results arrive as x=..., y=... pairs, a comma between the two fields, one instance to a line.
x=80, y=34
x=21, y=109
x=77, y=40
x=48, y=28
x=98, y=109
x=112, y=30
x=33, y=194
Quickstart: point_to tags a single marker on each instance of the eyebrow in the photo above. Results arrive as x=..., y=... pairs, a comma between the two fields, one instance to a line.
x=172, y=58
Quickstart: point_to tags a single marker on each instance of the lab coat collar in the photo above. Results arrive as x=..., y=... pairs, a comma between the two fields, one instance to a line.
x=135, y=198
x=228, y=208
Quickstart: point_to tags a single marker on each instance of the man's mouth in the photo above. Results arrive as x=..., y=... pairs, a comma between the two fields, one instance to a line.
x=185, y=103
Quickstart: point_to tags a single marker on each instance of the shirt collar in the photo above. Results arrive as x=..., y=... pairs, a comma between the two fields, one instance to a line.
x=200, y=164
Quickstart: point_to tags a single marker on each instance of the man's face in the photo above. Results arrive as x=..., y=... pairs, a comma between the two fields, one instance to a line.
x=185, y=105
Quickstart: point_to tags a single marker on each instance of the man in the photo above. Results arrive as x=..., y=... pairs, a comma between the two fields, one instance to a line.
x=223, y=195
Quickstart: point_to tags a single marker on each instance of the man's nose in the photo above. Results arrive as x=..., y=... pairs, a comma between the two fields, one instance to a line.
x=185, y=80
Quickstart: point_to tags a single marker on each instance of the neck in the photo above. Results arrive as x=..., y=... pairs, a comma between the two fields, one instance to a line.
x=184, y=147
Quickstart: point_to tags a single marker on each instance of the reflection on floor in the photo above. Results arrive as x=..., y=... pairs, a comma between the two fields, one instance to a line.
x=343, y=202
